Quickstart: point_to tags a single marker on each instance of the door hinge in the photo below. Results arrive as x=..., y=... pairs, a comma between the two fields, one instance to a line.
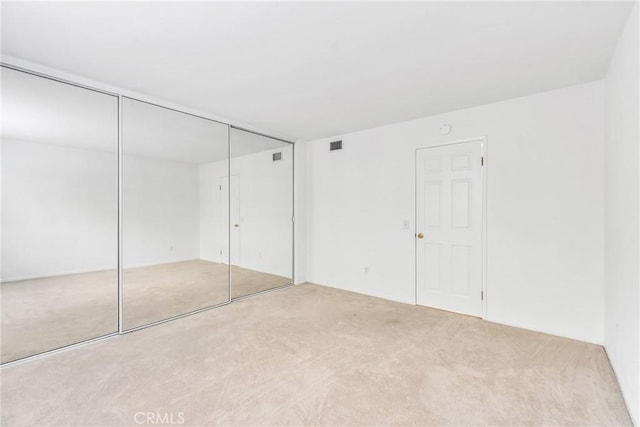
x=481, y=295
x=293, y=219
x=482, y=161
x=220, y=187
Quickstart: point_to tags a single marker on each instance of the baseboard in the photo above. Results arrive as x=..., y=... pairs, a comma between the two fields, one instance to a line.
x=498, y=321
x=546, y=331
x=624, y=397
x=67, y=273
x=385, y=297
x=63, y=273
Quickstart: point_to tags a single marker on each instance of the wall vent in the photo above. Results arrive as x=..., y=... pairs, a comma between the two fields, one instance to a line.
x=277, y=156
x=335, y=145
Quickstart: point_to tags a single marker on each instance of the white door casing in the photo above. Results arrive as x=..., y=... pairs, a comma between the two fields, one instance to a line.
x=449, y=227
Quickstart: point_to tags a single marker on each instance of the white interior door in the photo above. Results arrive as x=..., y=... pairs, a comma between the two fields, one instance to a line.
x=230, y=229
x=449, y=227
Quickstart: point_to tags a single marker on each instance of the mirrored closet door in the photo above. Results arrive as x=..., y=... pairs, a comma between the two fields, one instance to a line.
x=261, y=212
x=174, y=225
x=117, y=214
x=59, y=214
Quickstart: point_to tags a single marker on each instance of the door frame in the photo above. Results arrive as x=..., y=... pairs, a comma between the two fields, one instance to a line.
x=228, y=226
x=483, y=212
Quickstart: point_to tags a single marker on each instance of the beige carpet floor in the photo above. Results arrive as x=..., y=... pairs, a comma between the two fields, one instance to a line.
x=311, y=355
x=48, y=313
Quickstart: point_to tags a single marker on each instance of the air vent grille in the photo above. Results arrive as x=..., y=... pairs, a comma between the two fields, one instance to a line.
x=335, y=145
x=277, y=156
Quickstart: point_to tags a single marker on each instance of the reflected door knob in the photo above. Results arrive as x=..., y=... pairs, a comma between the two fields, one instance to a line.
x=420, y=235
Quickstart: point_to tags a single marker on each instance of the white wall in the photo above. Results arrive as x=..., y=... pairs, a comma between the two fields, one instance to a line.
x=544, y=212
x=59, y=210
x=622, y=231
x=161, y=211
x=266, y=208
x=266, y=199
x=59, y=213
x=301, y=214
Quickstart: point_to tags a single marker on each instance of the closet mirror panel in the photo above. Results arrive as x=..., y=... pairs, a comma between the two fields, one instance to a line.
x=59, y=214
x=261, y=209
x=173, y=167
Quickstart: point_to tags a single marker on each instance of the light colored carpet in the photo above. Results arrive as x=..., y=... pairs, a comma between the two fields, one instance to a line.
x=311, y=355
x=48, y=313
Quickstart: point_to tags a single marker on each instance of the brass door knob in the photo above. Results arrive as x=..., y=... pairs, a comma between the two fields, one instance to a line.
x=420, y=235
x=236, y=225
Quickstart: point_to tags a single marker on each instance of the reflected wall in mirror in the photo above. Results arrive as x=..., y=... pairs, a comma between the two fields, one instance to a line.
x=59, y=214
x=261, y=209
x=173, y=165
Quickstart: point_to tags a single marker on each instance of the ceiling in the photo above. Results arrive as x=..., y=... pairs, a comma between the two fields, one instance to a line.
x=308, y=70
x=48, y=112
x=44, y=111
x=151, y=131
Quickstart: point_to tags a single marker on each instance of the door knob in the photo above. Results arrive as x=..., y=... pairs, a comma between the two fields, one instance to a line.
x=419, y=235
x=236, y=225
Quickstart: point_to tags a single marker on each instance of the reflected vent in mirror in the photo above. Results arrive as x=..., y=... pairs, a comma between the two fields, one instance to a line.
x=335, y=145
x=277, y=156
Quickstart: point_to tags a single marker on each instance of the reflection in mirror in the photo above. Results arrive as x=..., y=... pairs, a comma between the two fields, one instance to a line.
x=59, y=214
x=261, y=209
x=171, y=213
